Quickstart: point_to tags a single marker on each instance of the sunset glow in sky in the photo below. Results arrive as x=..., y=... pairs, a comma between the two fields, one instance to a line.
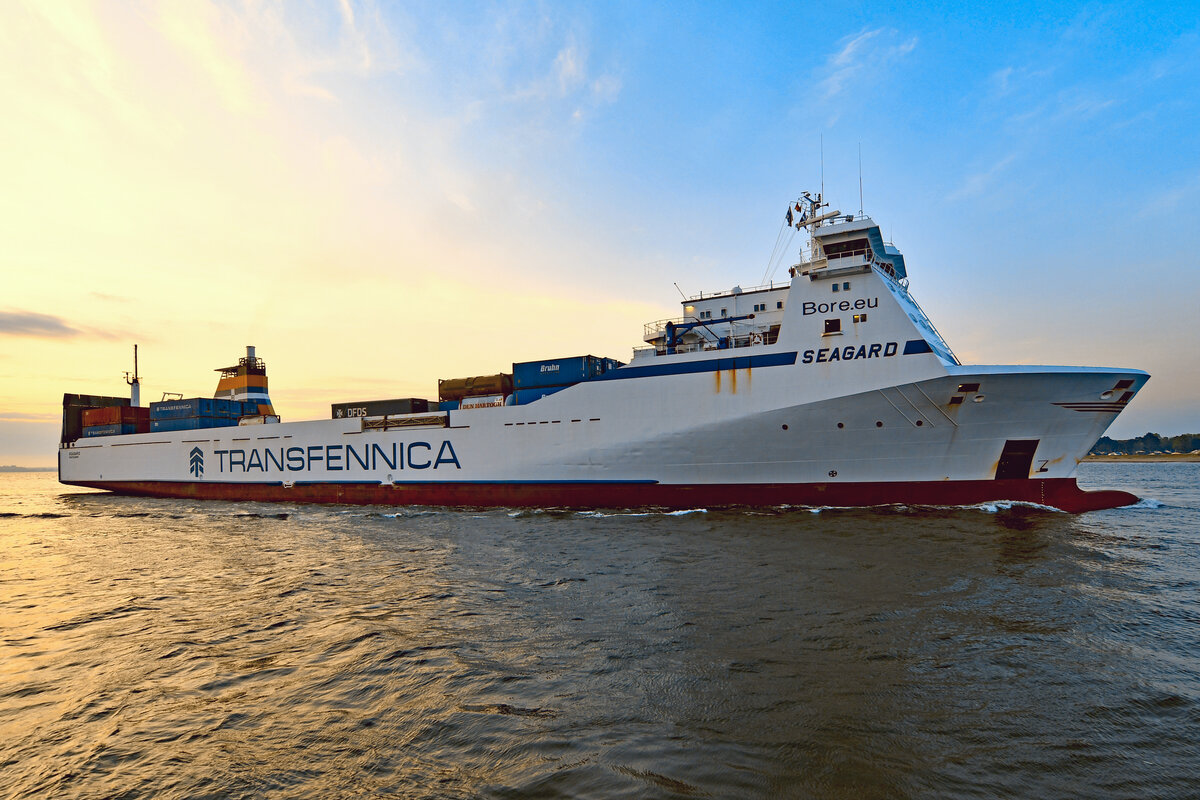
x=377, y=196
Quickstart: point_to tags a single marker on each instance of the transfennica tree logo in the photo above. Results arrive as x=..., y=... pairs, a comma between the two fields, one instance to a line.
x=197, y=467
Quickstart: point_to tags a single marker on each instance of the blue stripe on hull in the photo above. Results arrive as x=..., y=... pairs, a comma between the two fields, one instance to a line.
x=693, y=367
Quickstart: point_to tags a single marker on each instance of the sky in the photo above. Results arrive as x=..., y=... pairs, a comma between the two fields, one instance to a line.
x=377, y=196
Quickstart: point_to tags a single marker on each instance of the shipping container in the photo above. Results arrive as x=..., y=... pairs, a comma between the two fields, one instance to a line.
x=95, y=417
x=557, y=371
x=115, y=429
x=448, y=405
x=525, y=396
x=73, y=408
x=483, y=401
x=380, y=408
x=250, y=408
x=458, y=388
x=179, y=409
x=115, y=415
x=191, y=423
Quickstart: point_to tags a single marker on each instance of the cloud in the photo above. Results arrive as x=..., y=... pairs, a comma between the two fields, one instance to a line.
x=977, y=183
x=1001, y=79
x=1170, y=200
x=31, y=323
x=570, y=65
x=18, y=416
x=45, y=326
x=863, y=54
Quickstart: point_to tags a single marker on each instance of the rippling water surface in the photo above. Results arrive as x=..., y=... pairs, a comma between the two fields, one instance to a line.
x=172, y=649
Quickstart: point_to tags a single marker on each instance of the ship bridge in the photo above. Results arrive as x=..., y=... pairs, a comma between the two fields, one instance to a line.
x=839, y=245
x=853, y=243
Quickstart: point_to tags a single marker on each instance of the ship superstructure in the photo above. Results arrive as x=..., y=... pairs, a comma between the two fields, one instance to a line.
x=830, y=388
x=246, y=381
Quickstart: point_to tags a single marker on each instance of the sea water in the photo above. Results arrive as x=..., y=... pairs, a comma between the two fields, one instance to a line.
x=184, y=649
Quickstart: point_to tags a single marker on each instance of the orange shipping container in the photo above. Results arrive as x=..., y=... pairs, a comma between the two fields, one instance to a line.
x=116, y=415
x=458, y=388
x=101, y=416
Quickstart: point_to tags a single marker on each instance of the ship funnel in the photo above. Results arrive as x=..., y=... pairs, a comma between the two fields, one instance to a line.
x=135, y=383
x=246, y=381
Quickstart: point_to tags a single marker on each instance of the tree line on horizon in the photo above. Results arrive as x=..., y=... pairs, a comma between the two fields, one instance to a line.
x=1148, y=443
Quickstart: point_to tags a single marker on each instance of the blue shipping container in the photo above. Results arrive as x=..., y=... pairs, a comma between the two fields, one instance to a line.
x=448, y=405
x=223, y=407
x=177, y=409
x=249, y=408
x=556, y=371
x=109, y=430
x=525, y=396
x=191, y=423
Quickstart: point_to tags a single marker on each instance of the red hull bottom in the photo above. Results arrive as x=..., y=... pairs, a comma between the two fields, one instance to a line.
x=1060, y=493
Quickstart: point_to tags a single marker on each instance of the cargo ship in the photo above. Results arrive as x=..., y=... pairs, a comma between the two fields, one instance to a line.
x=829, y=388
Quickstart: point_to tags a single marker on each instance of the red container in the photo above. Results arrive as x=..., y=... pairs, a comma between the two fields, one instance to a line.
x=101, y=416
x=117, y=415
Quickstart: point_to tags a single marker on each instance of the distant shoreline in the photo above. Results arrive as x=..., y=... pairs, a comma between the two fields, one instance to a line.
x=1159, y=457
x=10, y=468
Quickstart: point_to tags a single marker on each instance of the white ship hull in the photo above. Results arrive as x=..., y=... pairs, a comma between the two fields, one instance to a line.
x=878, y=412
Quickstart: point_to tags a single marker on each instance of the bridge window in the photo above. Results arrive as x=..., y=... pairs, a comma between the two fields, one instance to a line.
x=854, y=247
x=779, y=304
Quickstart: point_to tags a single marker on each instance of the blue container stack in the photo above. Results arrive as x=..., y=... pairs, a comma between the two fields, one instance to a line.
x=109, y=430
x=524, y=396
x=198, y=412
x=534, y=380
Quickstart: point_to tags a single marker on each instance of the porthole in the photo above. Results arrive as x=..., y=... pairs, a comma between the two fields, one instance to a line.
x=920, y=422
x=878, y=424
x=841, y=425
x=785, y=427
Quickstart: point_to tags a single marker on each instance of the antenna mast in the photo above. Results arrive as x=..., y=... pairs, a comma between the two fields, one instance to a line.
x=860, y=202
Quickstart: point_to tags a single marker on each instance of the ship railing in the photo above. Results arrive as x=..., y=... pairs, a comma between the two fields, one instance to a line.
x=385, y=423
x=653, y=330
x=867, y=257
x=752, y=338
x=739, y=290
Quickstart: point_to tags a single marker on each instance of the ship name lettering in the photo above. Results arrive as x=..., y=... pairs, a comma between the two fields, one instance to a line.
x=338, y=457
x=840, y=305
x=849, y=353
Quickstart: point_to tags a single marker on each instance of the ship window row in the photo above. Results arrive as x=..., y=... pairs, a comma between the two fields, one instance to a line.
x=853, y=247
x=844, y=287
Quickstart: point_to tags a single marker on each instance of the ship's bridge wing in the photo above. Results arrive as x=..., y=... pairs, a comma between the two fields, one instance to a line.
x=859, y=239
